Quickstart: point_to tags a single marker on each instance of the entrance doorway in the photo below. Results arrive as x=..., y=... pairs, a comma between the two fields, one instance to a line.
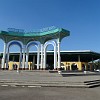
x=74, y=66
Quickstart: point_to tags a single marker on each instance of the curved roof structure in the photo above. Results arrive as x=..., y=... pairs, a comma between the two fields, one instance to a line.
x=37, y=36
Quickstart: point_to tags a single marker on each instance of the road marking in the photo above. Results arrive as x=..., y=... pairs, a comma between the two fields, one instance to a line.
x=34, y=86
x=13, y=85
x=23, y=86
x=4, y=85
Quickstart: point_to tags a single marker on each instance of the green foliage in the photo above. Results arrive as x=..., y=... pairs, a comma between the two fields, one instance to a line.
x=97, y=64
x=1, y=55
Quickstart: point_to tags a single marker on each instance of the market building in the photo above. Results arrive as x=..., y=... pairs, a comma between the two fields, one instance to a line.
x=70, y=60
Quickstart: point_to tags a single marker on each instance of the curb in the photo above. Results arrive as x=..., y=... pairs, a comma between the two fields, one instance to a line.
x=73, y=85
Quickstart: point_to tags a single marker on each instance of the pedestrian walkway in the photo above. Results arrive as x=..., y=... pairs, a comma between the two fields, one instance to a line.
x=46, y=78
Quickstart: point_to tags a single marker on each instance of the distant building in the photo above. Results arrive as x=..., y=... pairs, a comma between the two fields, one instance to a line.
x=70, y=60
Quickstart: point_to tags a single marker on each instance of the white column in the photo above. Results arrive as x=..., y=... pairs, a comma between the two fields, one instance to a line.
x=7, y=59
x=23, y=64
x=55, y=56
x=59, y=61
x=38, y=57
x=13, y=58
x=44, y=65
x=33, y=63
x=78, y=58
x=41, y=56
x=20, y=59
x=27, y=54
x=4, y=55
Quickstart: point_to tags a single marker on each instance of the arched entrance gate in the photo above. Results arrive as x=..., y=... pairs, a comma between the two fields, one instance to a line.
x=39, y=39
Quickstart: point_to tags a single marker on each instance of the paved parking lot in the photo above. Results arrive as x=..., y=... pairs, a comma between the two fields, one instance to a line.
x=13, y=92
x=47, y=79
x=43, y=76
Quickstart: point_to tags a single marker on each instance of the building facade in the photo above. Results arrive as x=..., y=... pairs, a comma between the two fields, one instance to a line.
x=70, y=60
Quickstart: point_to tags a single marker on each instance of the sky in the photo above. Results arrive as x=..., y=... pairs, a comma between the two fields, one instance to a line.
x=80, y=17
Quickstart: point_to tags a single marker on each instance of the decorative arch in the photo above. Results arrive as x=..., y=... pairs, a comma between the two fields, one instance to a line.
x=2, y=42
x=29, y=40
x=10, y=39
x=26, y=37
x=15, y=42
x=32, y=43
x=18, y=43
x=37, y=45
x=54, y=43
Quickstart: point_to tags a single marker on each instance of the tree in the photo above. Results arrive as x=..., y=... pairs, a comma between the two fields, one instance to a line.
x=97, y=64
x=1, y=55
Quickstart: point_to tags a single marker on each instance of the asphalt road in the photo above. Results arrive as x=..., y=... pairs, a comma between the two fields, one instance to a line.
x=48, y=93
